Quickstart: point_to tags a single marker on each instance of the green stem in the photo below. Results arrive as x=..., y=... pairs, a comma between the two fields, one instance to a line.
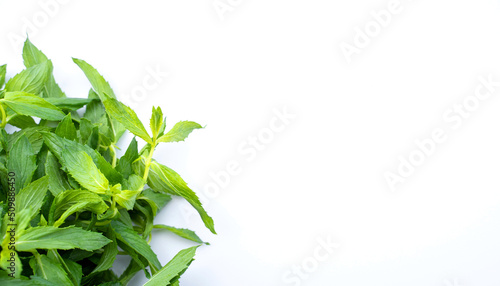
x=4, y=117
x=112, y=148
x=148, y=161
x=65, y=267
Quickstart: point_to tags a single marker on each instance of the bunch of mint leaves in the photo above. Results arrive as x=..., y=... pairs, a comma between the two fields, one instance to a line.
x=69, y=205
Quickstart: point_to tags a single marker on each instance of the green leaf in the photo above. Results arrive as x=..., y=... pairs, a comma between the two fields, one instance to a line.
x=182, y=232
x=133, y=240
x=49, y=270
x=109, y=255
x=33, y=56
x=29, y=104
x=33, y=135
x=99, y=84
x=82, y=168
x=50, y=237
x=22, y=121
x=22, y=161
x=69, y=103
x=72, y=269
x=34, y=281
x=101, y=87
x=57, y=144
x=66, y=128
x=156, y=200
x=156, y=121
x=3, y=71
x=127, y=117
x=124, y=165
x=130, y=272
x=58, y=182
x=33, y=196
x=71, y=201
x=174, y=268
x=32, y=79
x=163, y=179
x=180, y=131
x=95, y=109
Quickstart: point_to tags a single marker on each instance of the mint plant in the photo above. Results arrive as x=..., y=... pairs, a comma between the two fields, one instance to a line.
x=69, y=205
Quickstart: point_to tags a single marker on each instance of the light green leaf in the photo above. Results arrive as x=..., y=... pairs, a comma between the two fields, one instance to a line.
x=163, y=179
x=3, y=71
x=101, y=87
x=7, y=254
x=58, y=144
x=127, y=117
x=173, y=269
x=33, y=56
x=33, y=196
x=22, y=121
x=133, y=240
x=33, y=135
x=29, y=104
x=32, y=79
x=50, y=237
x=84, y=171
x=182, y=232
x=156, y=121
x=99, y=84
x=180, y=131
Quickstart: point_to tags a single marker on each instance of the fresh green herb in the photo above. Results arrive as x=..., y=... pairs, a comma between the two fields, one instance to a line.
x=69, y=205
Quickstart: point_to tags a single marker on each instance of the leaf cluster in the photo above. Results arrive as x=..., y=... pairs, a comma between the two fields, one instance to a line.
x=68, y=204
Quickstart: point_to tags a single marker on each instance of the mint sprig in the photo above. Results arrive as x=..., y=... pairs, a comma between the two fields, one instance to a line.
x=69, y=204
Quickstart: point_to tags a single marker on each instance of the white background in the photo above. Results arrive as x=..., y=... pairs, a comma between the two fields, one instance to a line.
x=321, y=176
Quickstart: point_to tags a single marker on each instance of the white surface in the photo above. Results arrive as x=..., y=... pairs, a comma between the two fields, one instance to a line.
x=323, y=174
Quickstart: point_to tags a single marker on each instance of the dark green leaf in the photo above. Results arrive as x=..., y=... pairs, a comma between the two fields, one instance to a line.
x=22, y=161
x=124, y=165
x=109, y=255
x=49, y=270
x=71, y=201
x=66, y=128
x=136, y=242
x=68, y=102
x=58, y=182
